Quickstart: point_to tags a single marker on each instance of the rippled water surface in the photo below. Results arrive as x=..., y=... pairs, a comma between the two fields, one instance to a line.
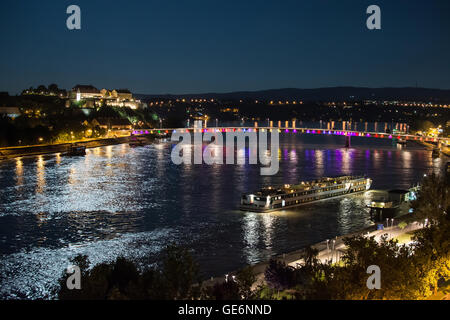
x=119, y=201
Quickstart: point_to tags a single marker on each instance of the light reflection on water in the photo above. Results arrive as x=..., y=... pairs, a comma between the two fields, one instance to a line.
x=118, y=200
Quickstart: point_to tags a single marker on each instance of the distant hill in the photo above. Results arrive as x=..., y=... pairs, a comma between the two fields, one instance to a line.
x=321, y=94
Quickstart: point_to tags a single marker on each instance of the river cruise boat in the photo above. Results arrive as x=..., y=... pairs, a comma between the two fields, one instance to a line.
x=288, y=196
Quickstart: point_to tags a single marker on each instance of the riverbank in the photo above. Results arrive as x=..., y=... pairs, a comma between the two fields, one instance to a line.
x=429, y=146
x=328, y=249
x=14, y=152
x=443, y=149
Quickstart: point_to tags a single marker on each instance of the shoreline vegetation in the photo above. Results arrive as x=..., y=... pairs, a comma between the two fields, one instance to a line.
x=417, y=269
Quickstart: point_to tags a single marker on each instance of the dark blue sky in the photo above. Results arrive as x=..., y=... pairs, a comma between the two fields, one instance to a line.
x=219, y=46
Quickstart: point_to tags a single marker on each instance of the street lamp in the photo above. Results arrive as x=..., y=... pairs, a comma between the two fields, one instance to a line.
x=392, y=222
x=226, y=278
x=328, y=249
x=334, y=242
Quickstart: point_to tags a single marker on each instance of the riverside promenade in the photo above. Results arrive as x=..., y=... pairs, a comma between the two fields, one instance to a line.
x=328, y=250
x=22, y=151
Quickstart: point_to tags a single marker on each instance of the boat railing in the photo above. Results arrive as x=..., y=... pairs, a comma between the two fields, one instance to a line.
x=313, y=183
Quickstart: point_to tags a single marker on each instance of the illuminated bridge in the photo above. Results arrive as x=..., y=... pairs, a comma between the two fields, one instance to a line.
x=396, y=136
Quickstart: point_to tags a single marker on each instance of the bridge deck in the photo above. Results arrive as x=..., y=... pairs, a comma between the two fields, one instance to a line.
x=351, y=133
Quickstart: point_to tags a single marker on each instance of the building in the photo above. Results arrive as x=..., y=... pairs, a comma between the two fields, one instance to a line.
x=124, y=94
x=93, y=97
x=132, y=104
x=12, y=112
x=117, y=94
x=85, y=92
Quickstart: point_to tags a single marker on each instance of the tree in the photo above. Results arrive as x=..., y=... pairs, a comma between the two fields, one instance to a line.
x=432, y=253
x=245, y=279
x=121, y=279
x=278, y=275
x=41, y=88
x=422, y=125
x=226, y=290
x=402, y=225
x=179, y=271
x=53, y=88
x=398, y=270
x=433, y=199
x=309, y=257
x=94, y=283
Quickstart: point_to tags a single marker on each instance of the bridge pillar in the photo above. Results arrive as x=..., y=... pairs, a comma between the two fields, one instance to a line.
x=347, y=141
x=279, y=124
x=271, y=124
x=286, y=124
x=293, y=124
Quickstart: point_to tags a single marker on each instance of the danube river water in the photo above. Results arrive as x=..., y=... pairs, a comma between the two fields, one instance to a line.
x=122, y=201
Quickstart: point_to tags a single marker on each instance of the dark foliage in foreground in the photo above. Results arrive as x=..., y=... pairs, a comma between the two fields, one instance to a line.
x=121, y=279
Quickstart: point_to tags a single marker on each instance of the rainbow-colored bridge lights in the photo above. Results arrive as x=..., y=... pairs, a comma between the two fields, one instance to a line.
x=294, y=130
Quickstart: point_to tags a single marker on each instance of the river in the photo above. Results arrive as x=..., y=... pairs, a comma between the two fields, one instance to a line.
x=132, y=202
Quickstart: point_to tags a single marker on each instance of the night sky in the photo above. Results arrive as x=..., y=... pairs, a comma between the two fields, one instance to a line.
x=195, y=46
